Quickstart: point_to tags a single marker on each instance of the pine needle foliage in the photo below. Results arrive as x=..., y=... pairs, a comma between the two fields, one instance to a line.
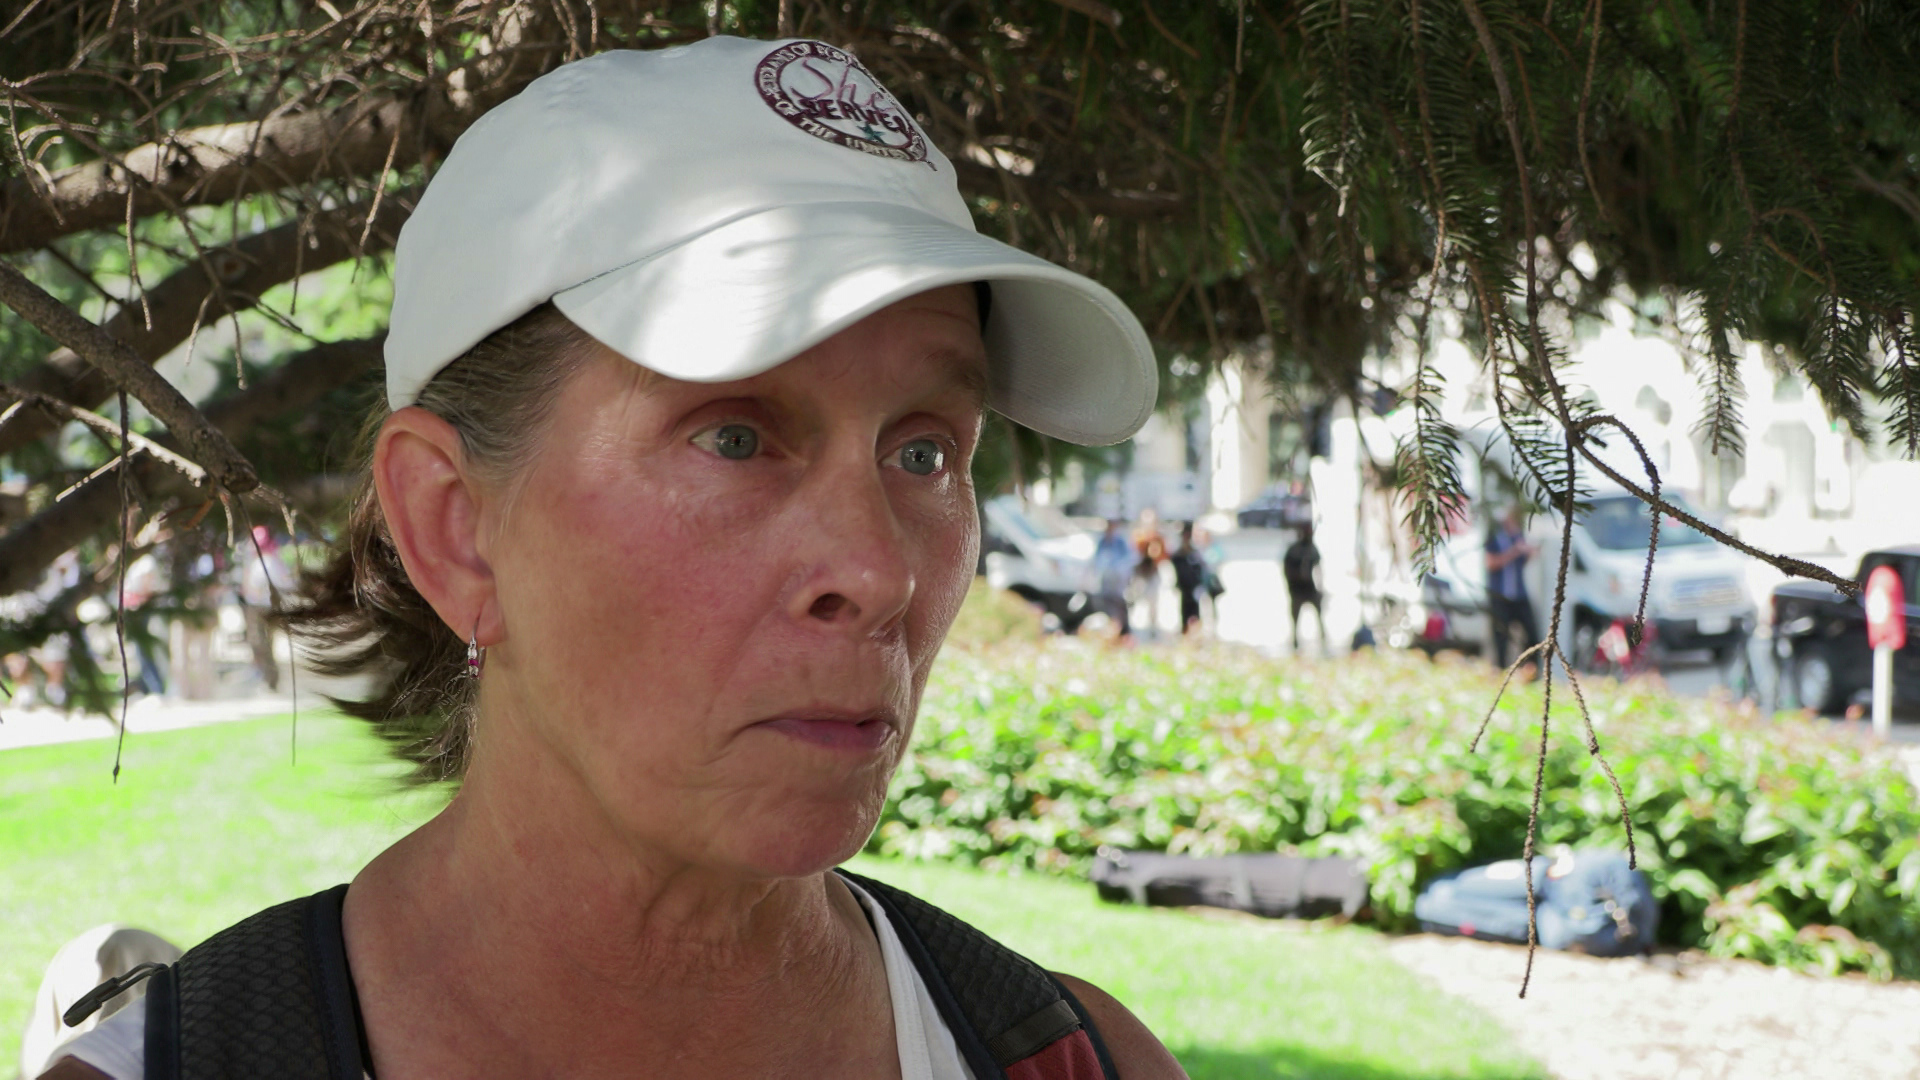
x=1312, y=183
x=1754, y=160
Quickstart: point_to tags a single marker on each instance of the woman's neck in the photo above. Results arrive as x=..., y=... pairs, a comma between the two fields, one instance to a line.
x=522, y=932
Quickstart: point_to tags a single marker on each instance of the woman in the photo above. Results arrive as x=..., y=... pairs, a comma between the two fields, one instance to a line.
x=688, y=359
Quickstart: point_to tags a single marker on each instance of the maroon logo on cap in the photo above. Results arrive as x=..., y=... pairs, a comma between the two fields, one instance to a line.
x=828, y=94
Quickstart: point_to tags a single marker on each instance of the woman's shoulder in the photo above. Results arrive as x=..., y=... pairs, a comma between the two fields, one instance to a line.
x=1136, y=1051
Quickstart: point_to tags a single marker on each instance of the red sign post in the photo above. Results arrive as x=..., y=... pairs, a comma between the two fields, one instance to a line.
x=1886, y=634
x=1886, y=609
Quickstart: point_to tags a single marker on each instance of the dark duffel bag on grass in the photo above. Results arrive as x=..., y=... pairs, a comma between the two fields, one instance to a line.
x=1588, y=901
x=1270, y=885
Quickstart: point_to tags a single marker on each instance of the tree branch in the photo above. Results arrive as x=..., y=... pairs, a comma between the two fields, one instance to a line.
x=209, y=166
x=1092, y=9
x=195, y=475
x=1191, y=52
x=30, y=547
x=977, y=179
x=1901, y=197
x=124, y=367
x=1786, y=564
x=235, y=276
x=216, y=164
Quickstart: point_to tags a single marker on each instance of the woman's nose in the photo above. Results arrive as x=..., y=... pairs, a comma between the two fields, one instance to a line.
x=856, y=575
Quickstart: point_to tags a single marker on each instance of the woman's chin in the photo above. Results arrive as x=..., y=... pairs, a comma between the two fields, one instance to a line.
x=808, y=841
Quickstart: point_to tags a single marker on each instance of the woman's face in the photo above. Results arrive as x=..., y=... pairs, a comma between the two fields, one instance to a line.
x=720, y=601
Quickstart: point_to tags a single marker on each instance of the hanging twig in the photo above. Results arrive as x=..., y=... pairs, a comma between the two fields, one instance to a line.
x=1580, y=117
x=379, y=191
x=1525, y=655
x=133, y=268
x=120, y=586
x=1653, y=515
x=277, y=607
x=1509, y=114
x=1546, y=709
x=1593, y=750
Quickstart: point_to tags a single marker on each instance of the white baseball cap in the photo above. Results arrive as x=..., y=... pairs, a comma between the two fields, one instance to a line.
x=712, y=210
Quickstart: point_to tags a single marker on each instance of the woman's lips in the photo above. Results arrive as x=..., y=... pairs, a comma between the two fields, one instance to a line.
x=856, y=733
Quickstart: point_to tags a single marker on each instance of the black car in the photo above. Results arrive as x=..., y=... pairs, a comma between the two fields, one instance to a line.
x=1276, y=510
x=1820, y=636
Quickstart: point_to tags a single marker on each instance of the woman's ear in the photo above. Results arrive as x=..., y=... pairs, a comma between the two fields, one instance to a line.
x=432, y=507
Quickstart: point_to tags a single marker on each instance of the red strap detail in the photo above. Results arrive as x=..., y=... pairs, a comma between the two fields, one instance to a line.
x=1070, y=1058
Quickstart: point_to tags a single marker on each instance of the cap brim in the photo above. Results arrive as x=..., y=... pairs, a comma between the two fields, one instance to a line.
x=1066, y=357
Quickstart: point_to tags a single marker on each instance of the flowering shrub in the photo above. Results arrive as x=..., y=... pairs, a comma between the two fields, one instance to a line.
x=1776, y=839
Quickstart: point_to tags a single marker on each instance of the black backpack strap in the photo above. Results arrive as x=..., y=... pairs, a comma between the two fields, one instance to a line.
x=348, y=1057
x=268, y=996
x=162, y=1050
x=1009, y=1017
x=1107, y=1068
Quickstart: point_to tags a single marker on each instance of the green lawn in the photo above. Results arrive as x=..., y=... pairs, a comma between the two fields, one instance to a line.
x=210, y=824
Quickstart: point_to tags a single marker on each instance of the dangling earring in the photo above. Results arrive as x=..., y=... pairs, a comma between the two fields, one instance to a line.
x=475, y=654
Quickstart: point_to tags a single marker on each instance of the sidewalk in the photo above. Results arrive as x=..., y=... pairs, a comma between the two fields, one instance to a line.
x=1678, y=1016
x=38, y=726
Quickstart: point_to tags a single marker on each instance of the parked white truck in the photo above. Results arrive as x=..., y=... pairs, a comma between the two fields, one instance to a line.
x=1040, y=554
x=1698, y=598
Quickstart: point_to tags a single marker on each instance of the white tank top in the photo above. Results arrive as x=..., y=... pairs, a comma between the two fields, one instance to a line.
x=927, y=1050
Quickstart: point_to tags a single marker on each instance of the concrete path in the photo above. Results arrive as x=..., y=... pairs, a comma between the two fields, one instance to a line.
x=1684, y=1017
x=41, y=726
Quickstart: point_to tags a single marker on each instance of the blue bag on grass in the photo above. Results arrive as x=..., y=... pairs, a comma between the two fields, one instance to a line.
x=1588, y=901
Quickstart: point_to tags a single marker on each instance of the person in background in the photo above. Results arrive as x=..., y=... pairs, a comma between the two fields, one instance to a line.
x=263, y=577
x=1507, y=602
x=52, y=654
x=1214, y=554
x=1151, y=546
x=1189, y=578
x=1296, y=506
x=1300, y=566
x=146, y=580
x=1113, y=563
x=190, y=632
x=14, y=670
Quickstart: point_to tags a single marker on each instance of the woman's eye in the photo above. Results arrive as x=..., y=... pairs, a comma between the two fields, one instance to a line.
x=923, y=457
x=736, y=441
